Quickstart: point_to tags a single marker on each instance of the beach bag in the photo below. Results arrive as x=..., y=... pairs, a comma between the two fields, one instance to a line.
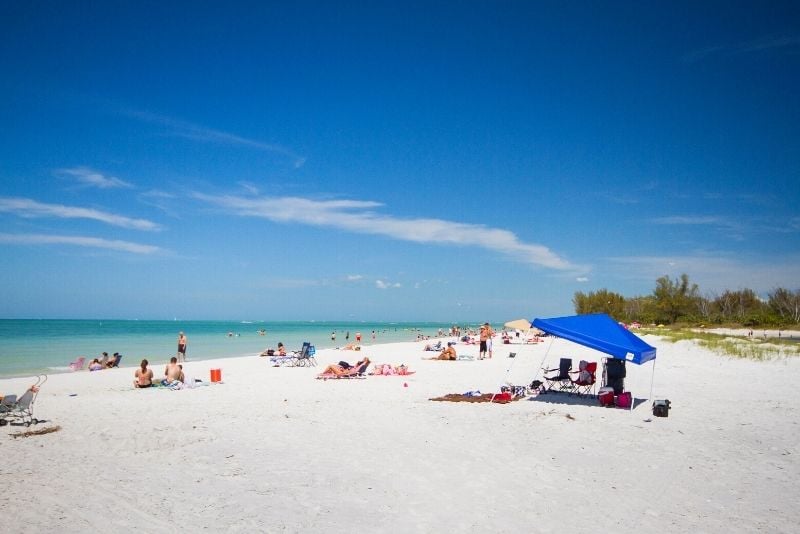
x=624, y=399
x=661, y=408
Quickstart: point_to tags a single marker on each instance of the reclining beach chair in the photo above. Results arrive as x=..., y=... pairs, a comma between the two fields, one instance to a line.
x=357, y=371
x=115, y=361
x=561, y=381
x=77, y=365
x=584, y=384
x=21, y=408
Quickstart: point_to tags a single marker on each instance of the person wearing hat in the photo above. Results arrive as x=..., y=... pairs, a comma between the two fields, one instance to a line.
x=484, y=335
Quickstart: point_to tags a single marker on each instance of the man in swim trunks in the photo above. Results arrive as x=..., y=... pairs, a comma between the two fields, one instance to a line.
x=182, y=341
x=173, y=371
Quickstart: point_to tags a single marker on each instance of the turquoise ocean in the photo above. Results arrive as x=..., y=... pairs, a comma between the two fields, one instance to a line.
x=30, y=346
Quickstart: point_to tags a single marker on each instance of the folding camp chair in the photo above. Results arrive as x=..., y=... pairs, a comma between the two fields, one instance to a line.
x=77, y=365
x=306, y=356
x=561, y=381
x=584, y=384
x=614, y=374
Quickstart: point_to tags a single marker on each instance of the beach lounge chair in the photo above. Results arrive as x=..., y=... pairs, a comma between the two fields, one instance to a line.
x=584, y=385
x=353, y=372
x=77, y=365
x=115, y=361
x=21, y=408
x=561, y=381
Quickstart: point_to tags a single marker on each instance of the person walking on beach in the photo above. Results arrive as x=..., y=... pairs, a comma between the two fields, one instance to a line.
x=484, y=335
x=333, y=336
x=489, y=334
x=182, y=341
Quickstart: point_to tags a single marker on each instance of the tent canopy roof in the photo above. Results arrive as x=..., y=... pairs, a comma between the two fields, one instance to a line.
x=600, y=332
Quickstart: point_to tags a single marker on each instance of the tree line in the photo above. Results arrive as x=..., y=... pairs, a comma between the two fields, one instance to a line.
x=680, y=301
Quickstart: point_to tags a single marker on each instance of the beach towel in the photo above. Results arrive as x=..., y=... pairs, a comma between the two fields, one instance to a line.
x=499, y=398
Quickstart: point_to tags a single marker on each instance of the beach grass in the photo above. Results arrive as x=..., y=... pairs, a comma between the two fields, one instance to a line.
x=731, y=345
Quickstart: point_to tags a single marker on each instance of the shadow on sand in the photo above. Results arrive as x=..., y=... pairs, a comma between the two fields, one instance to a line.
x=557, y=397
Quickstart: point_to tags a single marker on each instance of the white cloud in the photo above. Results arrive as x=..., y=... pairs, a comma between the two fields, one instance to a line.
x=357, y=216
x=581, y=279
x=354, y=277
x=380, y=284
x=28, y=208
x=79, y=241
x=196, y=132
x=91, y=178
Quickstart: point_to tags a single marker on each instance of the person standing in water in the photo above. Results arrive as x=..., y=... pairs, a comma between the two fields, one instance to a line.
x=182, y=342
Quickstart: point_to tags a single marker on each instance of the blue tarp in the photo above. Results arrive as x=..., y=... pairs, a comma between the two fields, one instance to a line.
x=600, y=332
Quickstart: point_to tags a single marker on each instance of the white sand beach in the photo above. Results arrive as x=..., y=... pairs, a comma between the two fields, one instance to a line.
x=274, y=450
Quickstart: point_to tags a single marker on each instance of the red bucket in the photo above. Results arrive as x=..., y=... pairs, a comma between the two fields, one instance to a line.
x=216, y=375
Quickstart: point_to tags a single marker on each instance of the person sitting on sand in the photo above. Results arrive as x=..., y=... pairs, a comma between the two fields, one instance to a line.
x=173, y=372
x=104, y=360
x=280, y=351
x=449, y=353
x=96, y=365
x=345, y=369
x=144, y=376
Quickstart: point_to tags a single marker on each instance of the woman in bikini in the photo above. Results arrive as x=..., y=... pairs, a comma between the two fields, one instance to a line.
x=144, y=376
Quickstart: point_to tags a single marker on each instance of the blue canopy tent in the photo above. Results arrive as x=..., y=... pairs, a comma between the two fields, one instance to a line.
x=600, y=332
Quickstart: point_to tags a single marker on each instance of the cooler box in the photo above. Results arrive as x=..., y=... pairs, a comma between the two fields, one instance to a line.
x=216, y=375
x=606, y=396
x=661, y=408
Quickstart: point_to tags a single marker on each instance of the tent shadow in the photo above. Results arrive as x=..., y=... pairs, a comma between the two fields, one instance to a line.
x=566, y=399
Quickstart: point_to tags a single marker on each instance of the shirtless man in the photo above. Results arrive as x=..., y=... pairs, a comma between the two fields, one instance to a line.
x=484, y=337
x=182, y=341
x=173, y=371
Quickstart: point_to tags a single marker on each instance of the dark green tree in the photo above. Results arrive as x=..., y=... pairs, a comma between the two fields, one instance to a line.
x=675, y=299
x=601, y=301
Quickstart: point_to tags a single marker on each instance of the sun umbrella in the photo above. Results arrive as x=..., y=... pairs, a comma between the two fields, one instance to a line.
x=519, y=324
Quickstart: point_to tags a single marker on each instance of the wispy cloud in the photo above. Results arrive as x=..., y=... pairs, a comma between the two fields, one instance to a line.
x=354, y=277
x=581, y=279
x=357, y=216
x=381, y=284
x=761, y=44
x=713, y=271
x=92, y=178
x=690, y=220
x=79, y=241
x=28, y=208
x=197, y=132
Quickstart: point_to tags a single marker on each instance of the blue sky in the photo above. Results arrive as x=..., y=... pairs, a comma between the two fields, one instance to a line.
x=391, y=161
